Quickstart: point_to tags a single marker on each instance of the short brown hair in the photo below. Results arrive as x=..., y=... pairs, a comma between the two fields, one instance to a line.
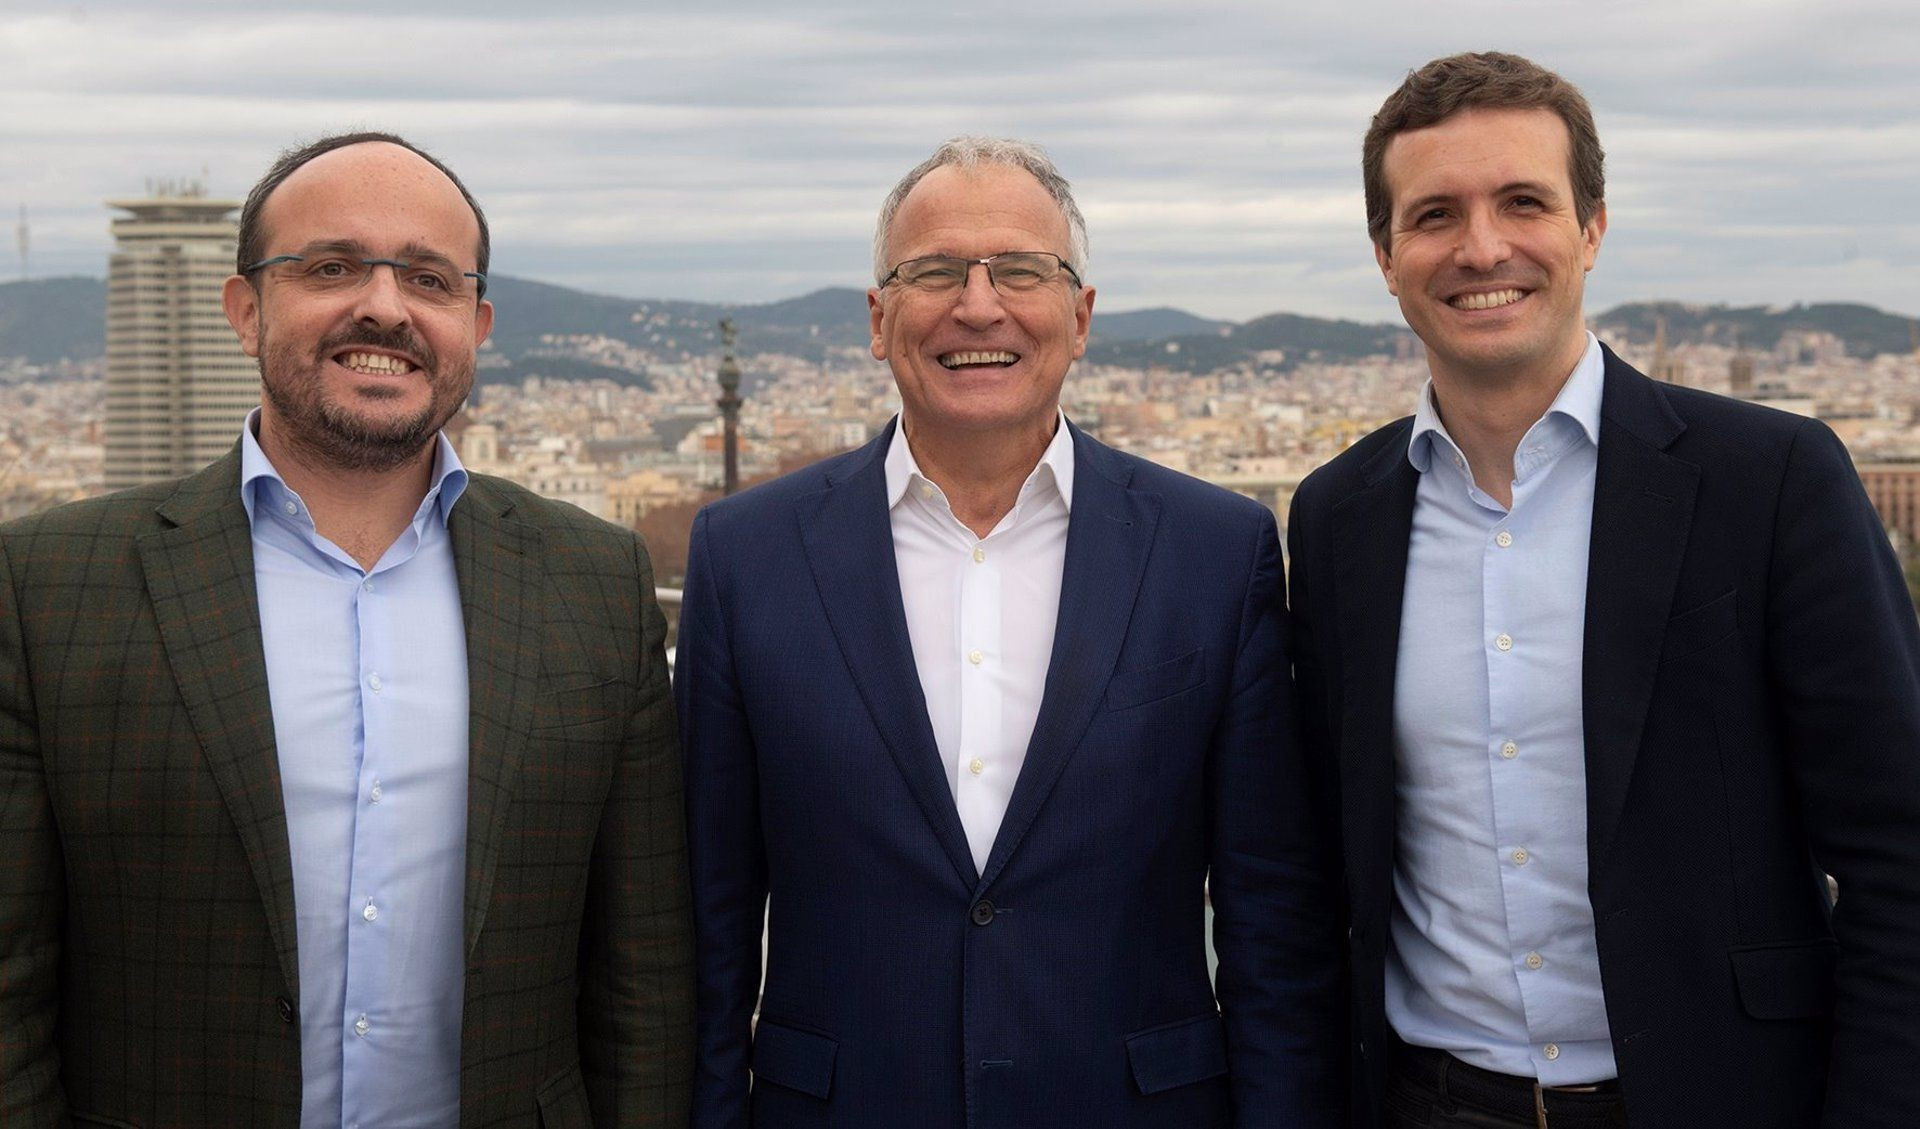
x=1481, y=80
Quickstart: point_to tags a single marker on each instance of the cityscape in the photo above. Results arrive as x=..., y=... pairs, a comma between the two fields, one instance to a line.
x=622, y=419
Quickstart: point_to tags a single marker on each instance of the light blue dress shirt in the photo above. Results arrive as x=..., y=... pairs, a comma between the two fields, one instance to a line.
x=1493, y=956
x=367, y=674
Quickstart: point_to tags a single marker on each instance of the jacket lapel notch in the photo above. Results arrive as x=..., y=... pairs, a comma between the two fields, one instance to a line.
x=848, y=540
x=499, y=567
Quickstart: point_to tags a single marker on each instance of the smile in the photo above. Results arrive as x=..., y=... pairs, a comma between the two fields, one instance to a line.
x=966, y=360
x=375, y=364
x=1486, y=301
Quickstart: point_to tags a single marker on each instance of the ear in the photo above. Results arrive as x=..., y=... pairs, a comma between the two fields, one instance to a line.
x=876, y=319
x=1596, y=230
x=482, y=322
x=242, y=305
x=1082, y=319
x=1385, y=258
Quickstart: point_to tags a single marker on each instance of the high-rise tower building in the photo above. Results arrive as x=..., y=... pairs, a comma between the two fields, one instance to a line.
x=178, y=386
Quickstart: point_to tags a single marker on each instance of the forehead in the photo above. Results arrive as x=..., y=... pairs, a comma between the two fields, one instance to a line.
x=979, y=211
x=1478, y=150
x=375, y=194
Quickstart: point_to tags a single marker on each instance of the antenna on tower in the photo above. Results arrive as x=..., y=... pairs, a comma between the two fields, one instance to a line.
x=23, y=233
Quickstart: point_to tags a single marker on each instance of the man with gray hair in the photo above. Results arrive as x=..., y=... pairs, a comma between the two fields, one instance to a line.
x=974, y=716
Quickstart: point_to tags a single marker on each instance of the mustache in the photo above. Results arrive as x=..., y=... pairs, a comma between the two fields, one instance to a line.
x=398, y=339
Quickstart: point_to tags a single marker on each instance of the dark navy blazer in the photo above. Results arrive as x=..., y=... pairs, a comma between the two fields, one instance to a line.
x=1067, y=985
x=1751, y=707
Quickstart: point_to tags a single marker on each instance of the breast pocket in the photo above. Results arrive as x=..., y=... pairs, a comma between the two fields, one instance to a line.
x=591, y=711
x=1131, y=688
x=1699, y=628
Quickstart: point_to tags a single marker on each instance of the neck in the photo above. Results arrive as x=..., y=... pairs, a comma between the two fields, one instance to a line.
x=980, y=472
x=362, y=511
x=1487, y=413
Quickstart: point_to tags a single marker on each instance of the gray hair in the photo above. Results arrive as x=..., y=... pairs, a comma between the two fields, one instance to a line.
x=969, y=153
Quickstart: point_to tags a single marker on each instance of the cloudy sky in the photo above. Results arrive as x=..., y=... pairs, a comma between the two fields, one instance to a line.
x=1759, y=151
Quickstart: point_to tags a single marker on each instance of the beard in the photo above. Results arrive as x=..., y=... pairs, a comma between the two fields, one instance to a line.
x=331, y=431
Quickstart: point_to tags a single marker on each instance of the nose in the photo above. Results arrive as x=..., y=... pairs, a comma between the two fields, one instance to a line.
x=979, y=303
x=1483, y=242
x=379, y=300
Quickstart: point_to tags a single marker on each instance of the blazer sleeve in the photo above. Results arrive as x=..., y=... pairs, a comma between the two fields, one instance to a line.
x=636, y=999
x=728, y=858
x=1271, y=879
x=1843, y=650
x=32, y=891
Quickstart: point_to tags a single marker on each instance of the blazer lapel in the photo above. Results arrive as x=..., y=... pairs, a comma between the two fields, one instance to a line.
x=1371, y=528
x=199, y=575
x=1642, y=511
x=498, y=562
x=849, y=546
x=1108, y=536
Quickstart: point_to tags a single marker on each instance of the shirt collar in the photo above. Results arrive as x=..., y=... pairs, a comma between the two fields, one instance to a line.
x=257, y=475
x=1056, y=462
x=1579, y=401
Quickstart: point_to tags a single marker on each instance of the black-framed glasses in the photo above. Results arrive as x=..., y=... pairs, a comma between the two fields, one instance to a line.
x=434, y=284
x=1009, y=272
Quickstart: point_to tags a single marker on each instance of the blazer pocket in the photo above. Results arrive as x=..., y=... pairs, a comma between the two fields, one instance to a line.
x=581, y=712
x=799, y=1060
x=1178, y=1054
x=1132, y=688
x=1696, y=629
x=1785, y=981
x=563, y=1100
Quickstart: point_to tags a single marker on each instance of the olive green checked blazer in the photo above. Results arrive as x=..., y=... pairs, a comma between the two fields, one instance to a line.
x=147, y=963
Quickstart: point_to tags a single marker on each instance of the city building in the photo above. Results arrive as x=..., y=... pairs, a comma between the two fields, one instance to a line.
x=1894, y=488
x=178, y=386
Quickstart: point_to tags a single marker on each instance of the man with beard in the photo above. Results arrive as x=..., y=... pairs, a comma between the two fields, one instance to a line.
x=338, y=786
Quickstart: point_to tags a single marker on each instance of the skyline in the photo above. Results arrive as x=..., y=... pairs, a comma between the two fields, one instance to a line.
x=1757, y=153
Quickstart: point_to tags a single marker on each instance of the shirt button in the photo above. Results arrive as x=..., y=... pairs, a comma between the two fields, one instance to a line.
x=1503, y=641
x=373, y=794
x=1503, y=539
x=291, y=506
x=1534, y=961
x=979, y=555
x=370, y=913
x=361, y=1026
x=1520, y=856
x=926, y=489
x=975, y=657
x=1509, y=750
x=977, y=766
x=1459, y=462
x=373, y=680
x=1553, y=1051
x=368, y=586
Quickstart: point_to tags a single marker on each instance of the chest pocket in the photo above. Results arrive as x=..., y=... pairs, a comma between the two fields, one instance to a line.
x=596, y=711
x=1132, y=688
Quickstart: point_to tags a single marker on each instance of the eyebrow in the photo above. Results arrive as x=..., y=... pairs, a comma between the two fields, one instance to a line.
x=414, y=254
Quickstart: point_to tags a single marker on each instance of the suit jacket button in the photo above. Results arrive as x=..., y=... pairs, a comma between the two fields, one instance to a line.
x=286, y=1009
x=982, y=912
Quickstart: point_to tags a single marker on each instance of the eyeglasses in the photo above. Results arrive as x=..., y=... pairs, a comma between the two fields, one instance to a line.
x=435, y=285
x=1009, y=272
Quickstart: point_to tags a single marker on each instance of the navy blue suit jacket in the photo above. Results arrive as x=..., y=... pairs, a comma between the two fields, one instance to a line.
x=1751, y=707
x=1067, y=985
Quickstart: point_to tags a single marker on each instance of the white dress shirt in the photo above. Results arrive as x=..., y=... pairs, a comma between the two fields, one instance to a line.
x=1493, y=956
x=981, y=615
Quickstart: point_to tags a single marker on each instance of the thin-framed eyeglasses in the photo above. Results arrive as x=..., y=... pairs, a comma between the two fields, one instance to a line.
x=432, y=283
x=1009, y=272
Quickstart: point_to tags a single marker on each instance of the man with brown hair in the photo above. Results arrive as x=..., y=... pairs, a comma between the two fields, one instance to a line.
x=1611, y=674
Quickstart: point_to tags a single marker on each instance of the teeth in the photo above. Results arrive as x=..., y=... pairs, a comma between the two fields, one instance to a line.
x=375, y=362
x=955, y=360
x=1486, y=301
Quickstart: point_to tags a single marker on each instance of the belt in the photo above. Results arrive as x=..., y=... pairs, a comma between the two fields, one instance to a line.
x=1596, y=1106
